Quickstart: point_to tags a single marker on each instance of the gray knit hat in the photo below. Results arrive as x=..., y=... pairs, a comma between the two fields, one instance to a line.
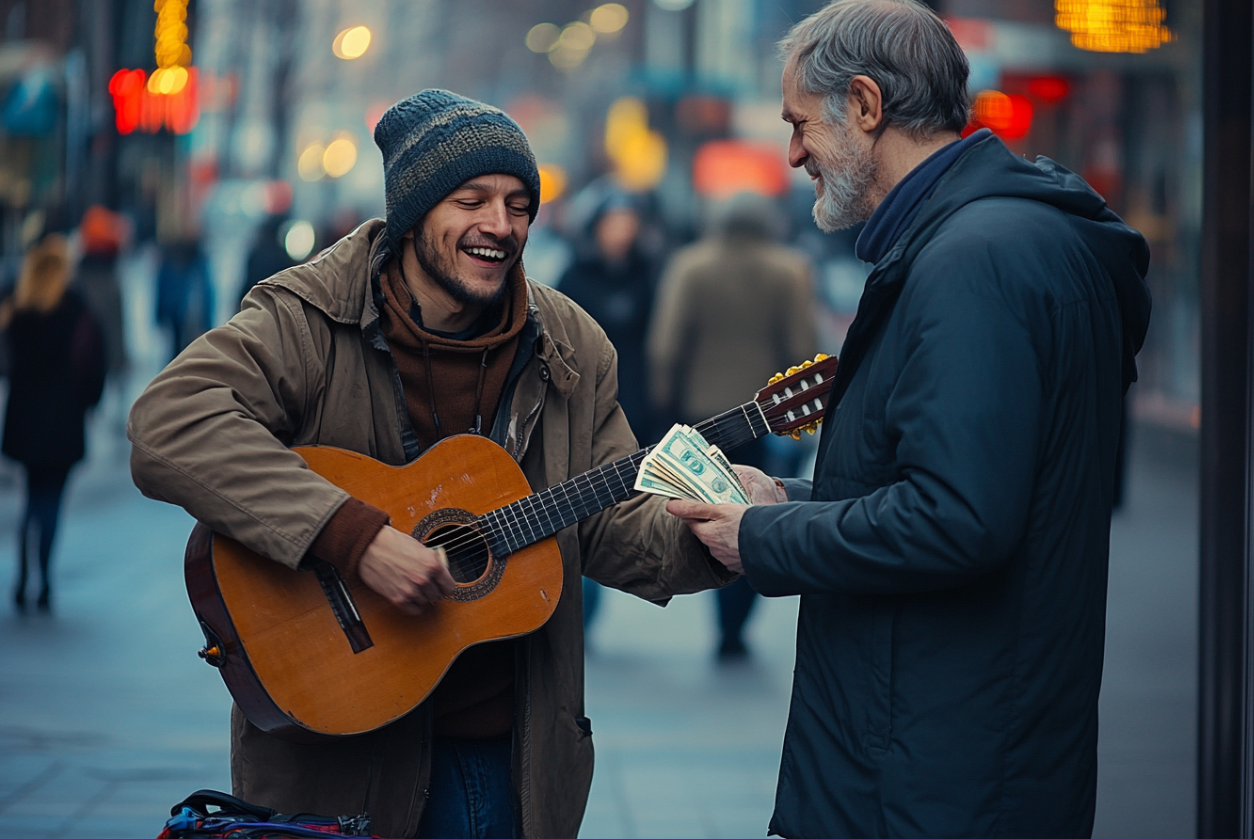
x=435, y=141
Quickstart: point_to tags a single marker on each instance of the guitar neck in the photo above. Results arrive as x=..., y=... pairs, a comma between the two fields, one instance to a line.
x=541, y=515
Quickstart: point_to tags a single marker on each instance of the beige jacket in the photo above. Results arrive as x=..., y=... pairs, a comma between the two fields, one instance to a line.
x=305, y=363
x=730, y=313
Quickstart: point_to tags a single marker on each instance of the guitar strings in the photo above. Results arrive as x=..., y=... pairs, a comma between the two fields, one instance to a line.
x=488, y=531
x=582, y=496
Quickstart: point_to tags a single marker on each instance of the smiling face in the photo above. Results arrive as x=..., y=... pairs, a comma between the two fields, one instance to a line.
x=468, y=243
x=840, y=163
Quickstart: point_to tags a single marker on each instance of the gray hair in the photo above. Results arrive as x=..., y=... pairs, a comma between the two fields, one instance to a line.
x=901, y=44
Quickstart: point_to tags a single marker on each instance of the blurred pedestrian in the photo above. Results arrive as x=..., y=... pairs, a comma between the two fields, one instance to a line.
x=733, y=309
x=268, y=256
x=57, y=372
x=103, y=233
x=185, y=296
x=951, y=552
x=613, y=280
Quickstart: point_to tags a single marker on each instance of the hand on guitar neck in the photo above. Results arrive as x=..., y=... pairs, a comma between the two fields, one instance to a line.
x=405, y=572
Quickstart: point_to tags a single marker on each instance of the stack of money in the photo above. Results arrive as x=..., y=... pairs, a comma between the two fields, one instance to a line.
x=684, y=465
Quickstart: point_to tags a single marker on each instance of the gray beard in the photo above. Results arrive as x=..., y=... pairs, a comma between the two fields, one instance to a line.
x=847, y=181
x=443, y=274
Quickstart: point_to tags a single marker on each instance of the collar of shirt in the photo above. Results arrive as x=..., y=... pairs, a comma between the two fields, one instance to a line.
x=903, y=202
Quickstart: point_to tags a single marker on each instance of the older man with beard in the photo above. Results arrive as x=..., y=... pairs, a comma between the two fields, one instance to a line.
x=951, y=551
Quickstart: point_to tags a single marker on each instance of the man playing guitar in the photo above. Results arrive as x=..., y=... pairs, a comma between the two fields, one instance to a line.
x=407, y=331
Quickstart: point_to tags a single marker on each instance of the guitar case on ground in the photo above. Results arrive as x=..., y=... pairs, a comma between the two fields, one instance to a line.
x=211, y=813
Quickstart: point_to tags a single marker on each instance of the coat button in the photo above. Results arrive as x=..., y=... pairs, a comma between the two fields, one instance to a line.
x=544, y=372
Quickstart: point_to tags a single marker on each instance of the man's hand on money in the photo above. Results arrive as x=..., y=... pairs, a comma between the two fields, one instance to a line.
x=718, y=526
x=761, y=488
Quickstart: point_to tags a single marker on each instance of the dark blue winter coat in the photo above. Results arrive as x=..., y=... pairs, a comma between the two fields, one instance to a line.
x=952, y=558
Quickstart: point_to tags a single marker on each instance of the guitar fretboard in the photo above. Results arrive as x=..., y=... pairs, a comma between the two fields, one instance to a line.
x=541, y=515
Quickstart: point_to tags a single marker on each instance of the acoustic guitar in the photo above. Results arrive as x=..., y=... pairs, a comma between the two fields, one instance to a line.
x=308, y=654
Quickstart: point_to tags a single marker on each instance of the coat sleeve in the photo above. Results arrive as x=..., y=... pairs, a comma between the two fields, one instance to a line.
x=210, y=433
x=964, y=415
x=636, y=546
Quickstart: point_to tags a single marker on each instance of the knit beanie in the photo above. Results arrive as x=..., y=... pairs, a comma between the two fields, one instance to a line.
x=434, y=141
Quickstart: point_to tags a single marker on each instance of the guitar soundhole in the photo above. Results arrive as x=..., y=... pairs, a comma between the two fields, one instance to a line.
x=470, y=560
x=468, y=554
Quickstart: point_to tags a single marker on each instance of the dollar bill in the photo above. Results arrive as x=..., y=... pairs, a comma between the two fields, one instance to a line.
x=684, y=465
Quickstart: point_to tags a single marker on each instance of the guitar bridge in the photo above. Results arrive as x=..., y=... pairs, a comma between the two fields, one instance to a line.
x=342, y=604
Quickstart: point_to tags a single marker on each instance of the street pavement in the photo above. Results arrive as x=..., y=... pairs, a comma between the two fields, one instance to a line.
x=107, y=717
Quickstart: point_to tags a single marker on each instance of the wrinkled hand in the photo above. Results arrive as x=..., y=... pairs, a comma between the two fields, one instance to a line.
x=718, y=526
x=761, y=488
x=404, y=571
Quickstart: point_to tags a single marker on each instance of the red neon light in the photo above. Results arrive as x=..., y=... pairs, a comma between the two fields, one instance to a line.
x=1049, y=89
x=126, y=88
x=135, y=107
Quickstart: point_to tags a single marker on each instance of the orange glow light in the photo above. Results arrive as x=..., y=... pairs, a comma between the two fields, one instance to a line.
x=1009, y=117
x=1123, y=26
x=723, y=168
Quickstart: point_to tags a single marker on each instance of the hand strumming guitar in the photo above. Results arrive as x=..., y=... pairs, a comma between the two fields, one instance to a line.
x=718, y=526
x=406, y=572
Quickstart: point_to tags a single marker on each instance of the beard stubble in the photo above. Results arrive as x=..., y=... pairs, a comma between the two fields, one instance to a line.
x=846, y=181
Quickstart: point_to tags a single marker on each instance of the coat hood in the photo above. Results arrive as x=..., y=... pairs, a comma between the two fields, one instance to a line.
x=990, y=170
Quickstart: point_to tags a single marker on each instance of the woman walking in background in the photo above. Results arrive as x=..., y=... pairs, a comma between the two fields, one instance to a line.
x=57, y=372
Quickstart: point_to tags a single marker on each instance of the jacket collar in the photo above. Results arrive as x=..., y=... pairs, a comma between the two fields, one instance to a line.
x=342, y=283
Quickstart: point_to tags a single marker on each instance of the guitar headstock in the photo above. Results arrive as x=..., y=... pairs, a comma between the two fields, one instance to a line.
x=794, y=401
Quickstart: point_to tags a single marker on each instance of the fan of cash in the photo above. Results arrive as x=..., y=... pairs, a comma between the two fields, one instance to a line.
x=684, y=465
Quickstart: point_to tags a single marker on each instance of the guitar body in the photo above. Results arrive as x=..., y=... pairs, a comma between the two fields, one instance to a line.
x=310, y=654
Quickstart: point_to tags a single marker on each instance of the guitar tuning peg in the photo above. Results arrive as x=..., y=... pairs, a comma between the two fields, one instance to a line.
x=821, y=357
x=792, y=370
x=807, y=363
x=795, y=435
x=775, y=379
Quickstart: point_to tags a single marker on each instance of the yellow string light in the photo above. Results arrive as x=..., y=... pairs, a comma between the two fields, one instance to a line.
x=1125, y=26
x=170, y=48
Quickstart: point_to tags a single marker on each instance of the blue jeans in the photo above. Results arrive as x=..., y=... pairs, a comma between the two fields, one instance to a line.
x=471, y=793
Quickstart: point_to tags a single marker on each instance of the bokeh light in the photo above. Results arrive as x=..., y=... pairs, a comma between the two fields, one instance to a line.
x=637, y=152
x=167, y=81
x=543, y=37
x=577, y=36
x=608, y=18
x=309, y=164
x=299, y=240
x=672, y=5
x=340, y=156
x=1009, y=117
x=553, y=181
x=351, y=43
x=1123, y=26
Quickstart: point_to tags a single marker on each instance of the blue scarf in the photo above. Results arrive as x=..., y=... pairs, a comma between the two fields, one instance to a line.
x=903, y=203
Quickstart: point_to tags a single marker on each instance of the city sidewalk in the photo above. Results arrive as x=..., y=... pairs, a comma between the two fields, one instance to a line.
x=107, y=717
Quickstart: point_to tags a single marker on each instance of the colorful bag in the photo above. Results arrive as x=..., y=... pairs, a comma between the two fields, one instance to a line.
x=211, y=813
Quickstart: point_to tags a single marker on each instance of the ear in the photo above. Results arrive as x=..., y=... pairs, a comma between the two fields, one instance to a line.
x=865, y=106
